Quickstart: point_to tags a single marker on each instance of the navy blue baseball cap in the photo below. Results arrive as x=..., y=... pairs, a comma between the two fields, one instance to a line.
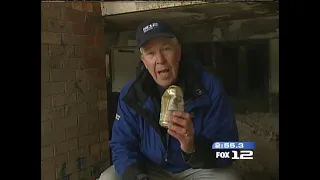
x=151, y=29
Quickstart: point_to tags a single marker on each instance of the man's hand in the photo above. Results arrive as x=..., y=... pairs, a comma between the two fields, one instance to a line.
x=182, y=129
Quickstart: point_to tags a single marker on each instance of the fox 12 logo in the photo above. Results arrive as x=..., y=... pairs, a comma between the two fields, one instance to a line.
x=234, y=150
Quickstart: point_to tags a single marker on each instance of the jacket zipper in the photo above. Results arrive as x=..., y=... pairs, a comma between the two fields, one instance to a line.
x=167, y=148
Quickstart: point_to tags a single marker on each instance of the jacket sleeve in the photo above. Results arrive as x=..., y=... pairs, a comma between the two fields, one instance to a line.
x=124, y=144
x=219, y=125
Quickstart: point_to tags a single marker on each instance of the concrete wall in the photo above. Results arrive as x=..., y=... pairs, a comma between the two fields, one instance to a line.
x=262, y=128
x=259, y=28
x=74, y=125
x=112, y=8
x=274, y=66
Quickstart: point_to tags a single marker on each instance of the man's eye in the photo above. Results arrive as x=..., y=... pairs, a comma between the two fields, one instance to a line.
x=150, y=53
x=167, y=48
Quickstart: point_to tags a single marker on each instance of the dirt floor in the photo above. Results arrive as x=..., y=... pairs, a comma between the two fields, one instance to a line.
x=263, y=128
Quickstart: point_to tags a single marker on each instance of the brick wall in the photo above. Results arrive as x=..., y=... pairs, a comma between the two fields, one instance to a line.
x=74, y=132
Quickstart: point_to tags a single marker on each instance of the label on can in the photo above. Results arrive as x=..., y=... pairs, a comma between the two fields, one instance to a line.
x=172, y=100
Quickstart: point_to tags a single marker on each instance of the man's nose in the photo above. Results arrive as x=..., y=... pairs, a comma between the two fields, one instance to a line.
x=160, y=58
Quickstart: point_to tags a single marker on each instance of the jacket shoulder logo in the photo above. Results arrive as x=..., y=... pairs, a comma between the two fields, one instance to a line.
x=117, y=117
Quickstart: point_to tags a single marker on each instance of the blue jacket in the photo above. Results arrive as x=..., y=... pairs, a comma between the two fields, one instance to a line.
x=137, y=139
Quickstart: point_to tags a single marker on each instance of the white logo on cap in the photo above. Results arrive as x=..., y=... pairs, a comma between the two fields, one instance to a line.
x=150, y=27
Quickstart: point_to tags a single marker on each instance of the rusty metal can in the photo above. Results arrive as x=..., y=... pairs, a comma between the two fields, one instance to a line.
x=171, y=101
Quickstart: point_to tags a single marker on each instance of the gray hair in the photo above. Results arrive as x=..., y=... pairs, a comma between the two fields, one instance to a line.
x=172, y=40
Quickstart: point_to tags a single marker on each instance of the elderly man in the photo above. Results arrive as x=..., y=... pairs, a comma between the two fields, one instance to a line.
x=141, y=148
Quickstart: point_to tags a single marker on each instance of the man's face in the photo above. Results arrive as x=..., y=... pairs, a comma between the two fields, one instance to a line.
x=161, y=57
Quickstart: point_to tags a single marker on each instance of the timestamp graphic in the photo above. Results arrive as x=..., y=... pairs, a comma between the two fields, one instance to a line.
x=234, y=145
x=234, y=150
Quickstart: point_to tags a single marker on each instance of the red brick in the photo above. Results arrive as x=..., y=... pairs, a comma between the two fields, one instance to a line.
x=53, y=88
x=45, y=71
x=103, y=114
x=65, y=146
x=85, y=174
x=77, y=6
x=104, y=145
x=80, y=51
x=97, y=126
x=54, y=113
x=77, y=86
x=102, y=94
x=47, y=164
x=102, y=105
x=87, y=118
x=78, y=108
x=96, y=7
x=87, y=6
x=53, y=137
x=70, y=51
x=93, y=159
x=48, y=175
x=105, y=155
x=98, y=82
x=64, y=99
x=46, y=152
x=92, y=95
x=90, y=41
x=85, y=75
x=95, y=52
x=60, y=5
x=44, y=24
x=62, y=75
x=70, y=15
x=94, y=18
x=76, y=131
x=95, y=148
x=99, y=30
x=76, y=28
x=44, y=50
x=72, y=39
x=104, y=135
x=60, y=159
x=47, y=169
x=94, y=62
x=56, y=50
x=74, y=155
x=65, y=123
x=74, y=176
x=89, y=29
x=53, y=62
x=72, y=63
x=46, y=127
x=92, y=106
x=99, y=41
x=51, y=38
x=88, y=139
x=56, y=25
x=62, y=172
x=46, y=102
x=52, y=13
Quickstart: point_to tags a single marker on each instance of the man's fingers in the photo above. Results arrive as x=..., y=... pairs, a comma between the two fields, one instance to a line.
x=177, y=129
x=183, y=115
x=179, y=121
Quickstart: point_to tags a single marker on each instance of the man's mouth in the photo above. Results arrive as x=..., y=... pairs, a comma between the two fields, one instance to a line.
x=163, y=72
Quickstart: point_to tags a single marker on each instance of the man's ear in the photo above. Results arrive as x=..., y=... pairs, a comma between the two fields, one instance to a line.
x=143, y=60
x=140, y=67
